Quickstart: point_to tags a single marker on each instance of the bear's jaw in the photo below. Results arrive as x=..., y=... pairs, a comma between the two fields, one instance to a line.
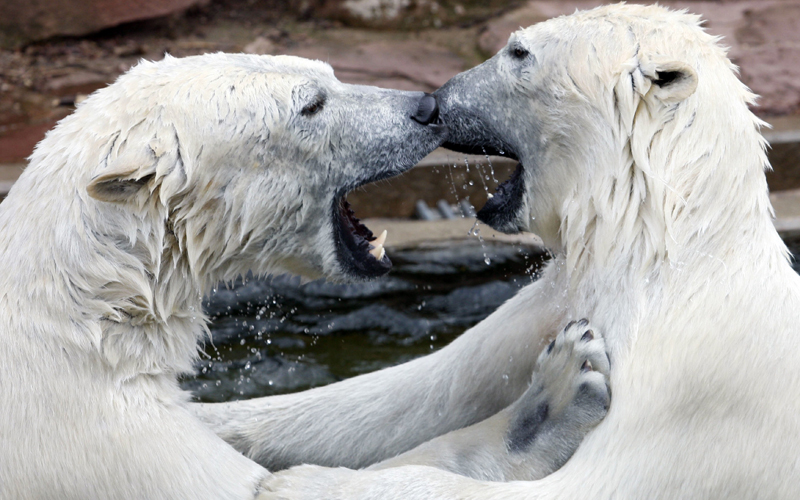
x=361, y=255
x=501, y=211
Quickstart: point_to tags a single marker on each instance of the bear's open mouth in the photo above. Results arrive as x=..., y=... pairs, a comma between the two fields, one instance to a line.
x=360, y=252
x=502, y=208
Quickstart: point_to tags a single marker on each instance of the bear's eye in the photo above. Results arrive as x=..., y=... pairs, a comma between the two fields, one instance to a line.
x=313, y=108
x=519, y=53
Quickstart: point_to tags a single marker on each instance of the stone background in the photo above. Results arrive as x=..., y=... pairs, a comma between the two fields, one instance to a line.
x=57, y=51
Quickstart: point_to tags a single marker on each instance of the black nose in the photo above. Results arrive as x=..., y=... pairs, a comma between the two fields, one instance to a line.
x=427, y=110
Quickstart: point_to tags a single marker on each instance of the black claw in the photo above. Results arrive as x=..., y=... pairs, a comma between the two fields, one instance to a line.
x=569, y=325
x=584, y=322
x=550, y=347
x=589, y=335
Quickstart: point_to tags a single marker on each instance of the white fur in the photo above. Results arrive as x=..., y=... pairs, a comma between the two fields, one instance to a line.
x=655, y=204
x=182, y=173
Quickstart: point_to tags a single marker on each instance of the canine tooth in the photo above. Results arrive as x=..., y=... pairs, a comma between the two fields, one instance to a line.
x=378, y=252
x=490, y=195
x=380, y=240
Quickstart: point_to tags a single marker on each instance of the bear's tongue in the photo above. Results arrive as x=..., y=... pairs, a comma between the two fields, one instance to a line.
x=360, y=232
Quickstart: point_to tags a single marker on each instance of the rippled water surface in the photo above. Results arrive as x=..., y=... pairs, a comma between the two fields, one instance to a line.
x=276, y=336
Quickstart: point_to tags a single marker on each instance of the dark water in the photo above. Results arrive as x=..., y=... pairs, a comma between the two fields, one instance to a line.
x=276, y=336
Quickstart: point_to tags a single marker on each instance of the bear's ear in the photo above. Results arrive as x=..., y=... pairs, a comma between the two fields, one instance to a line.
x=117, y=188
x=672, y=81
x=123, y=179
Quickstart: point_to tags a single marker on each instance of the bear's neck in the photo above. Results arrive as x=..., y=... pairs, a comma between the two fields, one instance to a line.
x=129, y=303
x=661, y=236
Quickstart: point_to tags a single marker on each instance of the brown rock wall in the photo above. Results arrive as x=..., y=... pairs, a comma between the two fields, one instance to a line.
x=30, y=20
x=400, y=64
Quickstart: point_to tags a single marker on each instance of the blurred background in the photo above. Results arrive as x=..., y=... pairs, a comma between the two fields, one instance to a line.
x=272, y=335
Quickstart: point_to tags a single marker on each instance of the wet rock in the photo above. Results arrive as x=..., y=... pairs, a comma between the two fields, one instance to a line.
x=250, y=377
x=470, y=303
x=374, y=318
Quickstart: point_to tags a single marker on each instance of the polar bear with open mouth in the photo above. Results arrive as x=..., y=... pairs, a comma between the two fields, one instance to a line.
x=182, y=173
x=642, y=168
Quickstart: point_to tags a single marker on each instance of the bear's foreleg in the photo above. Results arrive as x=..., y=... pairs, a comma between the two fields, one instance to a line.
x=536, y=435
x=372, y=417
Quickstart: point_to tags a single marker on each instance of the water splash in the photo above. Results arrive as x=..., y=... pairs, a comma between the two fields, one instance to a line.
x=481, y=175
x=491, y=167
x=453, y=180
x=476, y=231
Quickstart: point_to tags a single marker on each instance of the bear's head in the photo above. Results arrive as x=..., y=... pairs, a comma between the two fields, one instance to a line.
x=620, y=118
x=186, y=172
x=246, y=161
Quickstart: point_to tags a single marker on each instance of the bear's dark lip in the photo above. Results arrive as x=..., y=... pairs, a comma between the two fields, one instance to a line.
x=501, y=209
x=352, y=238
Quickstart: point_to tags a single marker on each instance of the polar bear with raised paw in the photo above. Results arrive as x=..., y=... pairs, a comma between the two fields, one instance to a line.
x=182, y=173
x=642, y=168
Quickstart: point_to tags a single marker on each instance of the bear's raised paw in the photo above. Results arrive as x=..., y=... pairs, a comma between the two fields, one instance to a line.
x=569, y=395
